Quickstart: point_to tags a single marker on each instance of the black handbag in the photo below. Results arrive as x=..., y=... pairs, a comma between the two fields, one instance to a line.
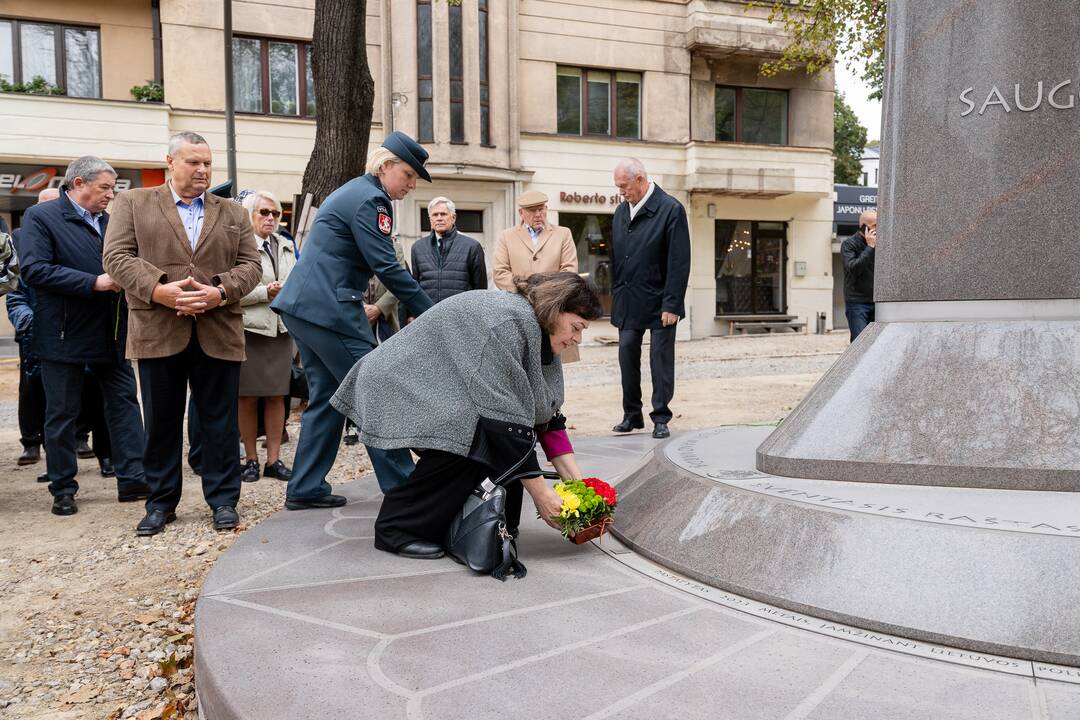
x=478, y=536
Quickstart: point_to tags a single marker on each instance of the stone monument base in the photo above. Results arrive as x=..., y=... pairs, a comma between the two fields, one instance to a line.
x=982, y=570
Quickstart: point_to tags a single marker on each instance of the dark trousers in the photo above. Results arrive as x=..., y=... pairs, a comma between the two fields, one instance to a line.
x=215, y=389
x=425, y=504
x=31, y=406
x=63, y=398
x=661, y=366
x=327, y=357
x=859, y=315
x=92, y=420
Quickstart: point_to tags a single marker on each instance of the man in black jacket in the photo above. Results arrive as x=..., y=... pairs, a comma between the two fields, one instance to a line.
x=446, y=262
x=650, y=253
x=80, y=321
x=857, y=253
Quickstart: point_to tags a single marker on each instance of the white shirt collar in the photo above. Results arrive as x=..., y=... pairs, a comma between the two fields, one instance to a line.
x=641, y=203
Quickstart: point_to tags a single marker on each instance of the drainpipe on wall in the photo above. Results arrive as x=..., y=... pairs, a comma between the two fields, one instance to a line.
x=230, y=116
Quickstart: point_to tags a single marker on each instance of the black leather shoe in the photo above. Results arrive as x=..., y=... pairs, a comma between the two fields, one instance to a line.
x=225, y=517
x=133, y=492
x=277, y=470
x=43, y=477
x=64, y=505
x=107, y=469
x=421, y=550
x=325, y=501
x=249, y=471
x=154, y=522
x=82, y=449
x=629, y=422
x=30, y=455
x=660, y=431
x=352, y=437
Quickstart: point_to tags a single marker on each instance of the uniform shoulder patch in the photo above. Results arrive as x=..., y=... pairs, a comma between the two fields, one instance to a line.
x=385, y=223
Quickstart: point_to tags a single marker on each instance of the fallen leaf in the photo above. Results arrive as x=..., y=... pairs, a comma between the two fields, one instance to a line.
x=84, y=694
x=168, y=667
x=149, y=617
x=151, y=713
x=177, y=638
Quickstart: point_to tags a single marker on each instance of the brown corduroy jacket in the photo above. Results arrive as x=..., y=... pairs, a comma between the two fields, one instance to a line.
x=146, y=245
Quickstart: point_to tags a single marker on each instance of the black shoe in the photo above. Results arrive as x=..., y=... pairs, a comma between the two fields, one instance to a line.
x=323, y=501
x=30, y=455
x=43, y=477
x=64, y=505
x=82, y=449
x=351, y=437
x=107, y=469
x=249, y=471
x=154, y=522
x=421, y=550
x=225, y=517
x=660, y=431
x=629, y=422
x=277, y=470
x=133, y=492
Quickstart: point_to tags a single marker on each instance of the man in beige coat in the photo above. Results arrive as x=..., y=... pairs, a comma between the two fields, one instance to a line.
x=534, y=246
x=185, y=258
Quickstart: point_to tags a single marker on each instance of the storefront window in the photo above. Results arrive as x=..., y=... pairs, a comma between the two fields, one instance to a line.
x=751, y=115
x=750, y=267
x=592, y=235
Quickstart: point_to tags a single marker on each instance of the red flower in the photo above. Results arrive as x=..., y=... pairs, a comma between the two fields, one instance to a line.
x=602, y=489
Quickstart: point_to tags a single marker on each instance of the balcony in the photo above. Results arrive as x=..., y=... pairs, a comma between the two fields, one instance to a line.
x=721, y=31
x=758, y=171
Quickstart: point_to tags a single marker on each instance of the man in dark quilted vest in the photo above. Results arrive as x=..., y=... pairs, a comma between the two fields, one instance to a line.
x=446, y=262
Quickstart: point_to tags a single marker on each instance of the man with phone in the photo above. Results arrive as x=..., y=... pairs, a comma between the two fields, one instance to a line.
x=857, y=253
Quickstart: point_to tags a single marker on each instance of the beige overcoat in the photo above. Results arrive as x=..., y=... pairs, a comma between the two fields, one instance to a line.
x=514, y=254
x=145, y=245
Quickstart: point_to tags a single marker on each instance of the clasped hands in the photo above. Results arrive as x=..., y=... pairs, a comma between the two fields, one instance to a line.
x=188, y=296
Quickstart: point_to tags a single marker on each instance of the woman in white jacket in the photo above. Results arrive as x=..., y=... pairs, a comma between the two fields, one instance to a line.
x=266, y=371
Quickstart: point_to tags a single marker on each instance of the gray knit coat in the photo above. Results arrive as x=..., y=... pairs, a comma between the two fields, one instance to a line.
x=477, y=354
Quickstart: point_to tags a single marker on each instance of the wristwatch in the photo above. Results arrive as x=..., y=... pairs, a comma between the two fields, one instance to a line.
x=224, y=298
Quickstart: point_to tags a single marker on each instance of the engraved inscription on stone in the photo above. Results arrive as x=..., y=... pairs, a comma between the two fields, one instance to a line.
x=1023, y=98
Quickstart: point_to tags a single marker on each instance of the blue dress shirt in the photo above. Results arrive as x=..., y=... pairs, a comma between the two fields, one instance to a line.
x=191, y=215
x=91, y=219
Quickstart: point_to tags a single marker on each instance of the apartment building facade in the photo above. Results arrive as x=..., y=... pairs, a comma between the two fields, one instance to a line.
x=507, y=95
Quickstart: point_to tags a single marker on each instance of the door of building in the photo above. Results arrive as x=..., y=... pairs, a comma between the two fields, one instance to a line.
x=750, y=267
x=592, y=236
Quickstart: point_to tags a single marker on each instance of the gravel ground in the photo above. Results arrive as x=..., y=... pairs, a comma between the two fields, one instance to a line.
x=97, y=623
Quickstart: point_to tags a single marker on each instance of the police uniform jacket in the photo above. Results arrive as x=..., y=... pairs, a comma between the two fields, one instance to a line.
x=349, y=242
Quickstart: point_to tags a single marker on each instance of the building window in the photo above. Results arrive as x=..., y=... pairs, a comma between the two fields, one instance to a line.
x=592, y=236
x=750, y=267
x=66, y=56
x=751, y=115
x=598, y=102
x=423, y=74
x=467, y=221
x=457, y=77
x=485, y=105
x=273, y=77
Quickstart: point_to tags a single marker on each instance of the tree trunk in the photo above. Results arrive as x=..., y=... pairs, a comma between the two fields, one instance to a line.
x=345, y=96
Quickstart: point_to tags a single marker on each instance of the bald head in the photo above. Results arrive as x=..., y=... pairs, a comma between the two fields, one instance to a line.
x=48, y=194
x=868, y=217
x=631, y=179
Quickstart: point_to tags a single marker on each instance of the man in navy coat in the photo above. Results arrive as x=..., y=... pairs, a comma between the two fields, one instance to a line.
x=322, y=305
x=80, y=322
x=650, y=261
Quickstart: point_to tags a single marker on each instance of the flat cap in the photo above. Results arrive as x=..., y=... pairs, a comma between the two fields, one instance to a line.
x=531, y=199
x=409, y=151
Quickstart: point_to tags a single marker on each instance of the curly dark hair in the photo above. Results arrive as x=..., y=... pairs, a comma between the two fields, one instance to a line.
x=552, y=293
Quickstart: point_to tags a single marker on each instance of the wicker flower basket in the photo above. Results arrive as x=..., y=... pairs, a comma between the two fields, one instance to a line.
x=593, y=531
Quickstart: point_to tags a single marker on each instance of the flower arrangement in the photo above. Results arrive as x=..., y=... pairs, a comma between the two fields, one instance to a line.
x=588, y=508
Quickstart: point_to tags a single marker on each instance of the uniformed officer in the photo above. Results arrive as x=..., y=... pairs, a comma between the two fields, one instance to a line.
x=322, y=305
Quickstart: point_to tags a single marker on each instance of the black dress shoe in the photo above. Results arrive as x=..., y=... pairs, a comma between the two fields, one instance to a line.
x=154, y=522
x=660, y=431
x=107, y=469
x=82, y=449
x=64, y=505
x=133, y=492
x=421, y=550
x=249, y=471
x=324, y=501
x=43, y=477
x=30, y=455
x=351, y=437
x=629, y=422
x=225, y=517
x=277, y=470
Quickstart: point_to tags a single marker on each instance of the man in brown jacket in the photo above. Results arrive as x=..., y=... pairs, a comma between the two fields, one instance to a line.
x=185, y=258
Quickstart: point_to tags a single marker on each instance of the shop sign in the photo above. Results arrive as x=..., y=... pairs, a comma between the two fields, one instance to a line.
x=573, y=198
x=852, y=201
x=28, y=180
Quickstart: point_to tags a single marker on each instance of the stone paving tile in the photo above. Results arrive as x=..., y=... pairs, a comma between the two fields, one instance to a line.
x=1061, y=701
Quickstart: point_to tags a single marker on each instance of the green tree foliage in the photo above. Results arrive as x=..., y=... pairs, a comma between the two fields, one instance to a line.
x=823, y=30
x=849, y=141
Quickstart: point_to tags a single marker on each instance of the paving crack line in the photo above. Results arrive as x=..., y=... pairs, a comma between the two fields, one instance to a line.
x=1039, y=708
x=298, y=616
x=342, y=581
x=811, y=701
x=277, y=567
x=666, y=682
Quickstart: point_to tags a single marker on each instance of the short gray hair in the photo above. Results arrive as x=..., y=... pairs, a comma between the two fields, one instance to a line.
x=87, y=167
x=251, y=200
x=442, y=201
x=633, y=167
x=187, y=137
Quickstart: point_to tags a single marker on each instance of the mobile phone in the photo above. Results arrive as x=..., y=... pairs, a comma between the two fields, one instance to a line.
x=863, y=228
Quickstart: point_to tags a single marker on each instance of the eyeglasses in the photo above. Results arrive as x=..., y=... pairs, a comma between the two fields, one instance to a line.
x=264, y=212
